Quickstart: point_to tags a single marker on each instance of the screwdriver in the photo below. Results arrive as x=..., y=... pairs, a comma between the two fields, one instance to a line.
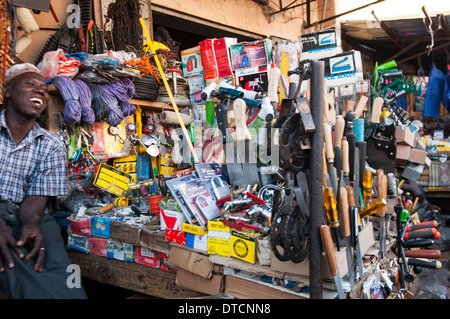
x=367, y=184
x=332, y=213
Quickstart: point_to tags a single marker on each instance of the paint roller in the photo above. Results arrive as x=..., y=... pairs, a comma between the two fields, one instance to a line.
x=26, y=20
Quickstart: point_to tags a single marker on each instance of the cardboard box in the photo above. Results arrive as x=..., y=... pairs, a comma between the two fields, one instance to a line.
x=218, y=225
x=194, y=229
x=243, y=246
x=245, y=288
x=191, y=61
x=402, y=155
x=193, y=262
x=101, y=226
x=175, y=236
x=254, y=78
x=98, y=246
x=404, y=136
x=222, y=53
x=154, y=240
x=125, y=232
x=171, y=219
x=209, y=286
x=147, y=257
x=77, y=242
x=220, y=246
x=120, y=251
x=199, y=242
x=215, y=57
x=251, y=54
x=321, y=44
x=341, y=69
x=80, y=226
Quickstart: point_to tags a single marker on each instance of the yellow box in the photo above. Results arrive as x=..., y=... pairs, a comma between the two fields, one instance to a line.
x=193, y=229
x=243, y=246
x=218, y=225
x=220, y=246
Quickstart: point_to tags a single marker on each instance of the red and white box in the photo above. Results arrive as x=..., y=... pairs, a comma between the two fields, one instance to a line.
x=98, y=245
x=80, y=226
x=147, y=257
x=175, y=236
x=171, y=219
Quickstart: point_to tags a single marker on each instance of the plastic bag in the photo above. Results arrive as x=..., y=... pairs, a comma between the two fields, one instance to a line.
x=55, y=63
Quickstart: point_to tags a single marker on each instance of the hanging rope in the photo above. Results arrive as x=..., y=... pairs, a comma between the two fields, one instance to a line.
x=85, y=98
x=101, y=110
x=123, y=90
x=115, y=114
x=69, y=93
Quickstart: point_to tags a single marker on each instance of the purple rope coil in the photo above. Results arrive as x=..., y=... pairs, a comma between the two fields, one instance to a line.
x=124, y=90
x=101, y=110
x=115, y=115
x=69, y=93
x=85, y=98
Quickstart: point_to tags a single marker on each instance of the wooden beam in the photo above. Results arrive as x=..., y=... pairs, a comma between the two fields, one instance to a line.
x=399, y=53
x=423, y=52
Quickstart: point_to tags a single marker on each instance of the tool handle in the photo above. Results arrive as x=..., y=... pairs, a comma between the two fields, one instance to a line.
x=430, y=224
x=425, y=233
x=221, y=115
x=274, y=80
x=328, y=247
x=424, y=253
x=431, y=264
x=360, y=106
x=328, y=142
x=379, y=177
x=351, y=139
x=242, y=132
x=350, y=196
x=338, y=160
x=345, y=215
x=105, y=208
x=417, y=243
x=345, y=162
x=376, y=109
x=385, y=187
x=339, y=130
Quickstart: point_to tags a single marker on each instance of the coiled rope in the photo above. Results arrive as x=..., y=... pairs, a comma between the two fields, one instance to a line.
x=101, y=110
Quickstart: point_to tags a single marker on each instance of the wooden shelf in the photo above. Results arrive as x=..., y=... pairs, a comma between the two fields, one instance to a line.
x=130, y=275
x=151, y=105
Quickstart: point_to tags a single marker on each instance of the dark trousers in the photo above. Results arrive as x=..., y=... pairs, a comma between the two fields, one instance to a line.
x=22, y=282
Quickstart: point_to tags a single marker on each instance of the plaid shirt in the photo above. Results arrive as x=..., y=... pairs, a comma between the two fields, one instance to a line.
x=37, y=166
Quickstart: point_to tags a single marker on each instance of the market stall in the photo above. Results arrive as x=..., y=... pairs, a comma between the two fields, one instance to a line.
x=255, y=169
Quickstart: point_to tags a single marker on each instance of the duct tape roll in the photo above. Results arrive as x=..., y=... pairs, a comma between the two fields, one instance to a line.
x=120, y=201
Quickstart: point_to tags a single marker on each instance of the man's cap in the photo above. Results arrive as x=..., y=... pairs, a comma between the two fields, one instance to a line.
x=19, y=69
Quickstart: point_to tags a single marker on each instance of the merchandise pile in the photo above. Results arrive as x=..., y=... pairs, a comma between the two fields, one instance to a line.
x=224, y=168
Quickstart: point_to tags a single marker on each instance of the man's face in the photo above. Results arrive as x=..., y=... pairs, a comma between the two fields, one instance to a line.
x=28, y=95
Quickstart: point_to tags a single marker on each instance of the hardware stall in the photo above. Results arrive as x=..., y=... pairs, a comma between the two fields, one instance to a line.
x=225, y=168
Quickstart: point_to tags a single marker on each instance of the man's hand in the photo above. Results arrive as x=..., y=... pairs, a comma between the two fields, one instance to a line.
x=7, y=240
x=32, y=236
x=30, y=215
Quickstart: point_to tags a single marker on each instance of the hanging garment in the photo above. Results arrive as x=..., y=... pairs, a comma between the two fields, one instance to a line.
x=434, y=94
x=446, y=96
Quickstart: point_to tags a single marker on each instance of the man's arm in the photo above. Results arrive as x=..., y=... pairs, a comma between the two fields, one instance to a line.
x=30, y=215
